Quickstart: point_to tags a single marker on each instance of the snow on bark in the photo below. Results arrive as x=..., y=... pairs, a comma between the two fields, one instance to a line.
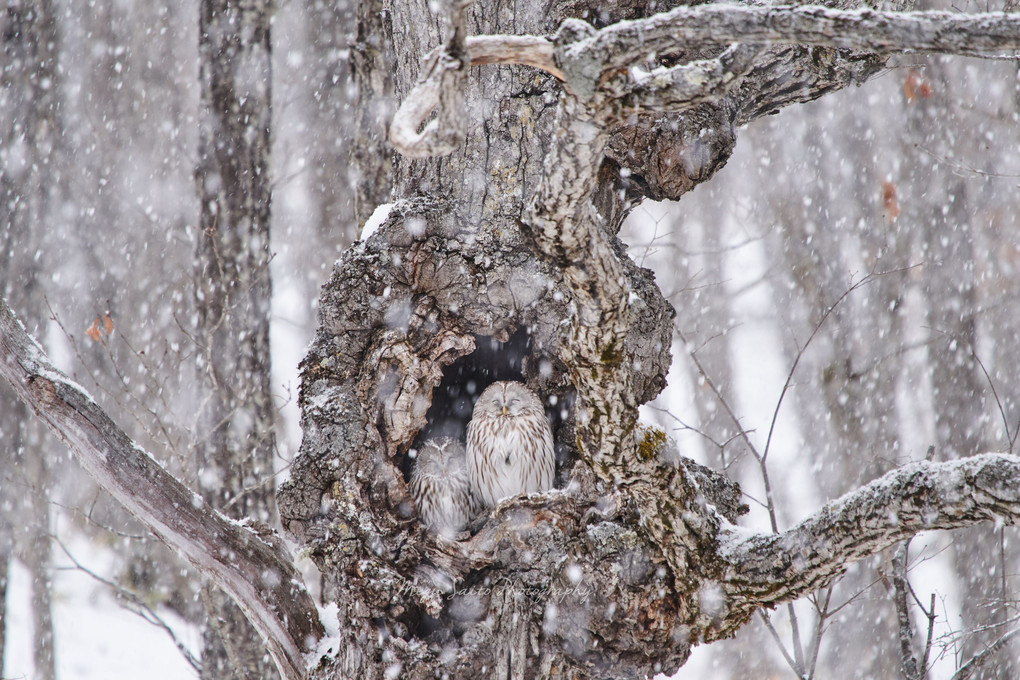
x=765, y=569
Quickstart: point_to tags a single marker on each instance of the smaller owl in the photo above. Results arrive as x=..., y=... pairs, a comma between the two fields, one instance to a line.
x=440, y=487
x=509, y=444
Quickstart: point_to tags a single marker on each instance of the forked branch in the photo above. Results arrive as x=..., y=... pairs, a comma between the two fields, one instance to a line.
x=765, y=569
x=585, y=63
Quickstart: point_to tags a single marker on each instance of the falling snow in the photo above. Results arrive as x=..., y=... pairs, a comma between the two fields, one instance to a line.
x=882, y=217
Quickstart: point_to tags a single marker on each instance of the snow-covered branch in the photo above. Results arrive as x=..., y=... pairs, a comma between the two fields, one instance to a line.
x=584, y=64
x=627, y=43
x=684, y=84
x=766, y=569
x=249, y=563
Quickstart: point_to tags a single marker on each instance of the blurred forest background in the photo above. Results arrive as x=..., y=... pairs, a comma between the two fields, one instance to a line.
x=858, y=260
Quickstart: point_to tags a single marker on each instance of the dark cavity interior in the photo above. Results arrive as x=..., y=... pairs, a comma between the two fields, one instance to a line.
x=466, y=378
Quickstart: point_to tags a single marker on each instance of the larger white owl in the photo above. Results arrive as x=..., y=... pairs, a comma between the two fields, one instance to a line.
x=509, y=444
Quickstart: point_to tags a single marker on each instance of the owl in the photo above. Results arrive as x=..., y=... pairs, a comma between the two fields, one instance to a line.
x=509, y=444
x=440, y=487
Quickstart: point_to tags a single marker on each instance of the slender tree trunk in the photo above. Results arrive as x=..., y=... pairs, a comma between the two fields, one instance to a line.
x=330, y=30
x=960, y=391
x=36, y=553
x=29, y=137
x=234, y=452
x=5, y=563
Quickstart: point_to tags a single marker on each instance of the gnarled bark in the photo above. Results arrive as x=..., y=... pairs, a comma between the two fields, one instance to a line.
x=501, y=261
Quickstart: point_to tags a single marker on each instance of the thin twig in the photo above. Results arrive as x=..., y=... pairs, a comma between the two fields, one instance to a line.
x=770, y=504
x=139, y=607
x=1010, y=437
x=779, y=642
x=822, y=614
x=963, y=170
x=930, y=613
x=718, y=395
x=818, y=326
x=905, y=629
x=968, y=669
x=798, y=647
x=704, y=435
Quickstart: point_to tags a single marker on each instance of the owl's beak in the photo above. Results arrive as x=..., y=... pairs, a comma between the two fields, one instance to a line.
x=504, y=409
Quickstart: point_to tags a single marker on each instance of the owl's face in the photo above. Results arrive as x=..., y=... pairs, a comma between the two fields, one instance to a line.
x=507, y=399
x=442, y=457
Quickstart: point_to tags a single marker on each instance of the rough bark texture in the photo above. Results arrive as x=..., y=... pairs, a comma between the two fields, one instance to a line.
x=4, y=576
x=501, y=261
x=234, y=449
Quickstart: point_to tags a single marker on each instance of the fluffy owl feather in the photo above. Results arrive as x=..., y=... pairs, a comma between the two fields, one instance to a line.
x=509, y=444
x=440, y=486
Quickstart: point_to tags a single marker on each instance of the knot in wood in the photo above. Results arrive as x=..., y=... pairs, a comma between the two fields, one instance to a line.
x=43, y=389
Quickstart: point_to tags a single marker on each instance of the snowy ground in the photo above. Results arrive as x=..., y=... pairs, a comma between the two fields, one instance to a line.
x=96, y=639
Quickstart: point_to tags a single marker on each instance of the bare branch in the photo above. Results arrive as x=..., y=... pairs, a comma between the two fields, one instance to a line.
x=818, y=327
x=628, y=43
x=763, y=569
x=252, y=566
x=137, y=606
x=623, y=44
x=930, y=613
x=905, y=628
x=798, y=648
x=968, y=669
x=779, y=643
x=529, y=50
x=582, y=58
x=822, y=614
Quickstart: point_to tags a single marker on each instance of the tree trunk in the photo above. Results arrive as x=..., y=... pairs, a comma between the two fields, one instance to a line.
x=37, y=559
x=501, y=261
x=6, y=554
x=960, y=390
x=234, y=452
x=30, y=131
